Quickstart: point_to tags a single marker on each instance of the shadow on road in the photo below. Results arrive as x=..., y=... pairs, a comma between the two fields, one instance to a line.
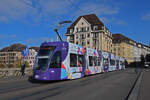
x=34, y=81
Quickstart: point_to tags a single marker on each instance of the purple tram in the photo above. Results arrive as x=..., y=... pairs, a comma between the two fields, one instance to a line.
x=63, y=60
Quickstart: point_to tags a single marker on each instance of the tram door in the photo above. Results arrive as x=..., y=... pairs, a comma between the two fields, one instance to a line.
x=77, y=65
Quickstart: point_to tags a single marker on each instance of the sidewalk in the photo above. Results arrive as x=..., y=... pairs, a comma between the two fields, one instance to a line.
x=144, y=92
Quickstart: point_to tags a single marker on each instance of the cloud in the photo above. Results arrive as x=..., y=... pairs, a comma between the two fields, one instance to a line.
x=37, y=10
x=98, y=8
x=146, y=17
x=39, y=40
x=22, y=9
x=113, y=21
x=7, y=36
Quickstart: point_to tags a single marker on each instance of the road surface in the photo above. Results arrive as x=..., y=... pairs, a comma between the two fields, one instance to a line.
x=108, y=86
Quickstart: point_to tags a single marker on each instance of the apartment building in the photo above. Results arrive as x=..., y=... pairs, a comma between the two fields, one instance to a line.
x=9, y=58
x=124, y=47
x=89, y=31
x=32, y=56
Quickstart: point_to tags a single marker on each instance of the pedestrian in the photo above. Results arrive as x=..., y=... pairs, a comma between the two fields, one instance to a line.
x=23, y=69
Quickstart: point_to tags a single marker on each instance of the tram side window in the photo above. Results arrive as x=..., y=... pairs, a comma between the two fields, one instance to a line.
x=56, y=60
x=117, y=63
x=121, y=63
x=95, y=61
x=90, y=61
x=112, y=62
x=73, y=60
x=105, y=61
x=98, y=61
x=80, y=61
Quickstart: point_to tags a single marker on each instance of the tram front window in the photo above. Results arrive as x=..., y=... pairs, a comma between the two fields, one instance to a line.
x=46, y=51
x=56, y=60
x=43, y=57
x=42, y=64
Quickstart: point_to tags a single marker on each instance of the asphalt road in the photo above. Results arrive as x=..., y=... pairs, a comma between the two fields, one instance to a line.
x=144, y=92
x=108, y=86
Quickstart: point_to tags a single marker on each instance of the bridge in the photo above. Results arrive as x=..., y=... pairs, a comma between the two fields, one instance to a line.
x=118, y=85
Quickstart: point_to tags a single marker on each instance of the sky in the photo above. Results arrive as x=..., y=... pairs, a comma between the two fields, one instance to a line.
x=31, y=22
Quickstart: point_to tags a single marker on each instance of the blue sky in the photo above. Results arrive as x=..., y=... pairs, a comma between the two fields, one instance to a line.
x=31, y=22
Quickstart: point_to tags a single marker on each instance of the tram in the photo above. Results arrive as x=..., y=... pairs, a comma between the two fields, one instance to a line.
x=63, y=60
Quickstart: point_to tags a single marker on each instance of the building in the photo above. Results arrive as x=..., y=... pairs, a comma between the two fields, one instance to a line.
x=128, y=48
x=124, y=47
x=32, y=55
x=10, y=55
x=89, y=31
x=9, y=58
x=137, y=52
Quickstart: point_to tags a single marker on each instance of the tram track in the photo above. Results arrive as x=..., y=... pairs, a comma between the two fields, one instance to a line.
x=66, y=87
x=55, y=88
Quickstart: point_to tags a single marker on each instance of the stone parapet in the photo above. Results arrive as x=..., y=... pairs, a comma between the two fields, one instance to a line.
x=6, y=72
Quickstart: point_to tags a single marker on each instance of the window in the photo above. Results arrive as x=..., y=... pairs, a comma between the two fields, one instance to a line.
x=73, y=60
x=106, y=62
x=71, y=30
x=76, y=36
x=95, y=27
x=77, y=29
x=88, y=35
x=117, y=62
x=56, y=60
x=98, y=61
x=88, y=42
x=80, y=60
x=87, y=29
x=90, y=61
x=82, y=36
x=76, y=42
x=46, y=50
x=114, y=49
x=82, y=29
x=112, y=62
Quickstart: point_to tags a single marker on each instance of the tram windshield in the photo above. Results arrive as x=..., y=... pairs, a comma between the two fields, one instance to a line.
x=43, y=57
x=46, y=51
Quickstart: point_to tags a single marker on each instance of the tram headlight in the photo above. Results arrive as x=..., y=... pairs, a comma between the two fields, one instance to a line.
x=44, y=77
x=36, y=76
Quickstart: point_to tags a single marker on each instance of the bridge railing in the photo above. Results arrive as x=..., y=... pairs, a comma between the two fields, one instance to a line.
x=6, y=72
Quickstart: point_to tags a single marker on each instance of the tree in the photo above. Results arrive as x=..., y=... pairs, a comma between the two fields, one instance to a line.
x=27, y=64
x=142, y=60
x=148, y=58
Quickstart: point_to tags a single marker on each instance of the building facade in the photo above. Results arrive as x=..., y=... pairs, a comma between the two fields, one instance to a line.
x=31, y=57
x=128, y=48
x=9, y=58
x=124, y=47
x=89, y=31
x=12, y=57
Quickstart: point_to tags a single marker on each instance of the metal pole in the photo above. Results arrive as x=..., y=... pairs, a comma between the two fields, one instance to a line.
x=58, y=35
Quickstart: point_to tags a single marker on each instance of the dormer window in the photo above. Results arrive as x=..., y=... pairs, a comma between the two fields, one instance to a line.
x=77, y=29
x=71, y=30
x=87, y=29
x=95, y=28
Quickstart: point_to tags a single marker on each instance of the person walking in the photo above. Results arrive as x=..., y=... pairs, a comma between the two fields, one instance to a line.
x=23, y=69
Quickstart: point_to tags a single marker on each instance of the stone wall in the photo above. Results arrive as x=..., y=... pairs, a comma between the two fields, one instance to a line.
x=7, y=72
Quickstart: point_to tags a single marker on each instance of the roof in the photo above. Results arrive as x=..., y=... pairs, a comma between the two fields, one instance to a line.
x=35, y=48
x=91, y=18
x=121, y=37
x=15, y=47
